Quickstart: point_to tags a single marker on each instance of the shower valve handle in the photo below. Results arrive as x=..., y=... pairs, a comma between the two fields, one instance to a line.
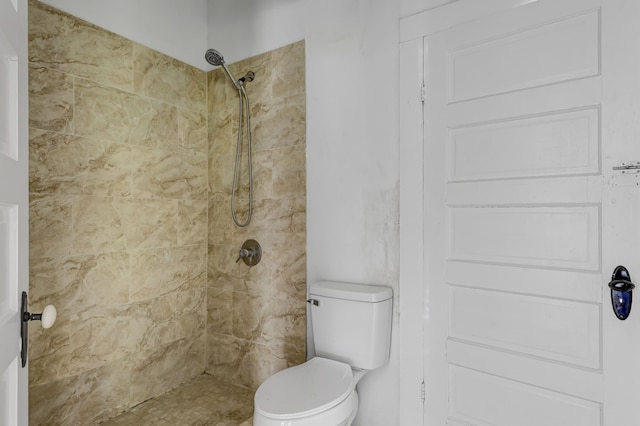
x=244, y=253
x=250, y=253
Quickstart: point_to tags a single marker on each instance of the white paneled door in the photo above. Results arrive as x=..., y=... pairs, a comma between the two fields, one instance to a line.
x=529, y=106
x=13, y=206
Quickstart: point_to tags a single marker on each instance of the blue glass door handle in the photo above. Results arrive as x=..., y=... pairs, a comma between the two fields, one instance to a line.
x=621, y=292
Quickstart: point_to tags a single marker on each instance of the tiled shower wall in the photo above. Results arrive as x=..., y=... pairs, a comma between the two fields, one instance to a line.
x=256, y=316
x=123, y=168
x=118, y=228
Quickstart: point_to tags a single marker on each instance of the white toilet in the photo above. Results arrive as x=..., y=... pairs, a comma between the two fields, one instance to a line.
x=351, y=326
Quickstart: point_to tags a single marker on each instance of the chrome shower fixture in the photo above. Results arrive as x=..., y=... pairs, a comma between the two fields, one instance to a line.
x=215, y=58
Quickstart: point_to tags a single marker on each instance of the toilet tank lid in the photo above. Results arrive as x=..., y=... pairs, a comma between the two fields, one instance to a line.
x=351, y=291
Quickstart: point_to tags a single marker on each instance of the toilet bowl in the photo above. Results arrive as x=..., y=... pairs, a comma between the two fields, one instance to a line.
x=351, y=326
x=320, y=392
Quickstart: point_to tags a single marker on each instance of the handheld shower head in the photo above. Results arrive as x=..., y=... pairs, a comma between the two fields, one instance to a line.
x=214, y=57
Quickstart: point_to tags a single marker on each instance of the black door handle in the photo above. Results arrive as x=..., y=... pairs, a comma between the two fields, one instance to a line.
x=621, y=292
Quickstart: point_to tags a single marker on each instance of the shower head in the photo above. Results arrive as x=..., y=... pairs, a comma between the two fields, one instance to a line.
x=214, y=57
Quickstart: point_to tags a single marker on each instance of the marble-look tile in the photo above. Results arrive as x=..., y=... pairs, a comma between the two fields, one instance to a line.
x=281, y=214
x=262, y=362
x=101, y=336
x=220, y=310
x=79, y=283
x=166, y=174
x=289, y=171
x=98, y=226
x=148, y=223
x=104, y=335
x=289, y=266
x=65, y=43
x=288, y=70
x=192, y=222
x=191, y=312
x=225, y=272
x=221, y=94
x=49, y=352
x=153, y=323
x=192, y=131
x=81, y=399
x=267, y=321
x=72, y=165
x=279, y=123
x=225, y=355
x=155, y=371
x=156, y=272
x=50, y=225
x=141, y=121
x=161, y=77
x=261, y=87
x=262, y=175
x=221, y=169
x=222, y=132
x=221, y=227
x=50, y=100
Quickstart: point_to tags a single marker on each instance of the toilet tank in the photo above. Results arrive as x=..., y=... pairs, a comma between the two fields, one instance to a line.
x=351, y=323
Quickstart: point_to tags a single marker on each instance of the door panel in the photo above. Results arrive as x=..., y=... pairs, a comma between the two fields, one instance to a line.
x=13, y=206
x=513, y=220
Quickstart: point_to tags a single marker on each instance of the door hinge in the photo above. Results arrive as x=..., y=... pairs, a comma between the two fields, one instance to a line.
x=423, y=92
x=422, y=392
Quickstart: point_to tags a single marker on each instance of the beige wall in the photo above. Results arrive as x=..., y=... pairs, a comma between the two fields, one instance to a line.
x=122, y=175
x=118, y=208
x=256, y=316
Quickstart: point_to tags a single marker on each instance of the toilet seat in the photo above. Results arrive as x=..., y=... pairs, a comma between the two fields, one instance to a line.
x=304, y=390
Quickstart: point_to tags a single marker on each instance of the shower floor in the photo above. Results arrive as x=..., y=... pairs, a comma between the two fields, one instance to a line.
x=203, y=401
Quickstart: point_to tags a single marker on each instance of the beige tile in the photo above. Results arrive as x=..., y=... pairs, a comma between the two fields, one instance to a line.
x=262, y=362
x=50, y=225
x=192, y=131
x=101, y=336
x=220, y=310
x=279, y=122
x=156, y=272
x=202, y=400
x=226, y=357
x=162, y=77
x=191, y=311
x=50, y=100
x=107, y=334
x=98, y=225
x=222, y=132
x=225, y=272
x=289, y=171
x=267, y=321
x=166, y=174
x=72, y=165
x=49, y=352
x=261, y=87
x=141, y=121
x=221, y=94
x=79, y=283
x=65, y=43
x=192, y=222
x=155, y=371
x=102, y=391
x=289, y=266
x=288, y=72
x=148, y=223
